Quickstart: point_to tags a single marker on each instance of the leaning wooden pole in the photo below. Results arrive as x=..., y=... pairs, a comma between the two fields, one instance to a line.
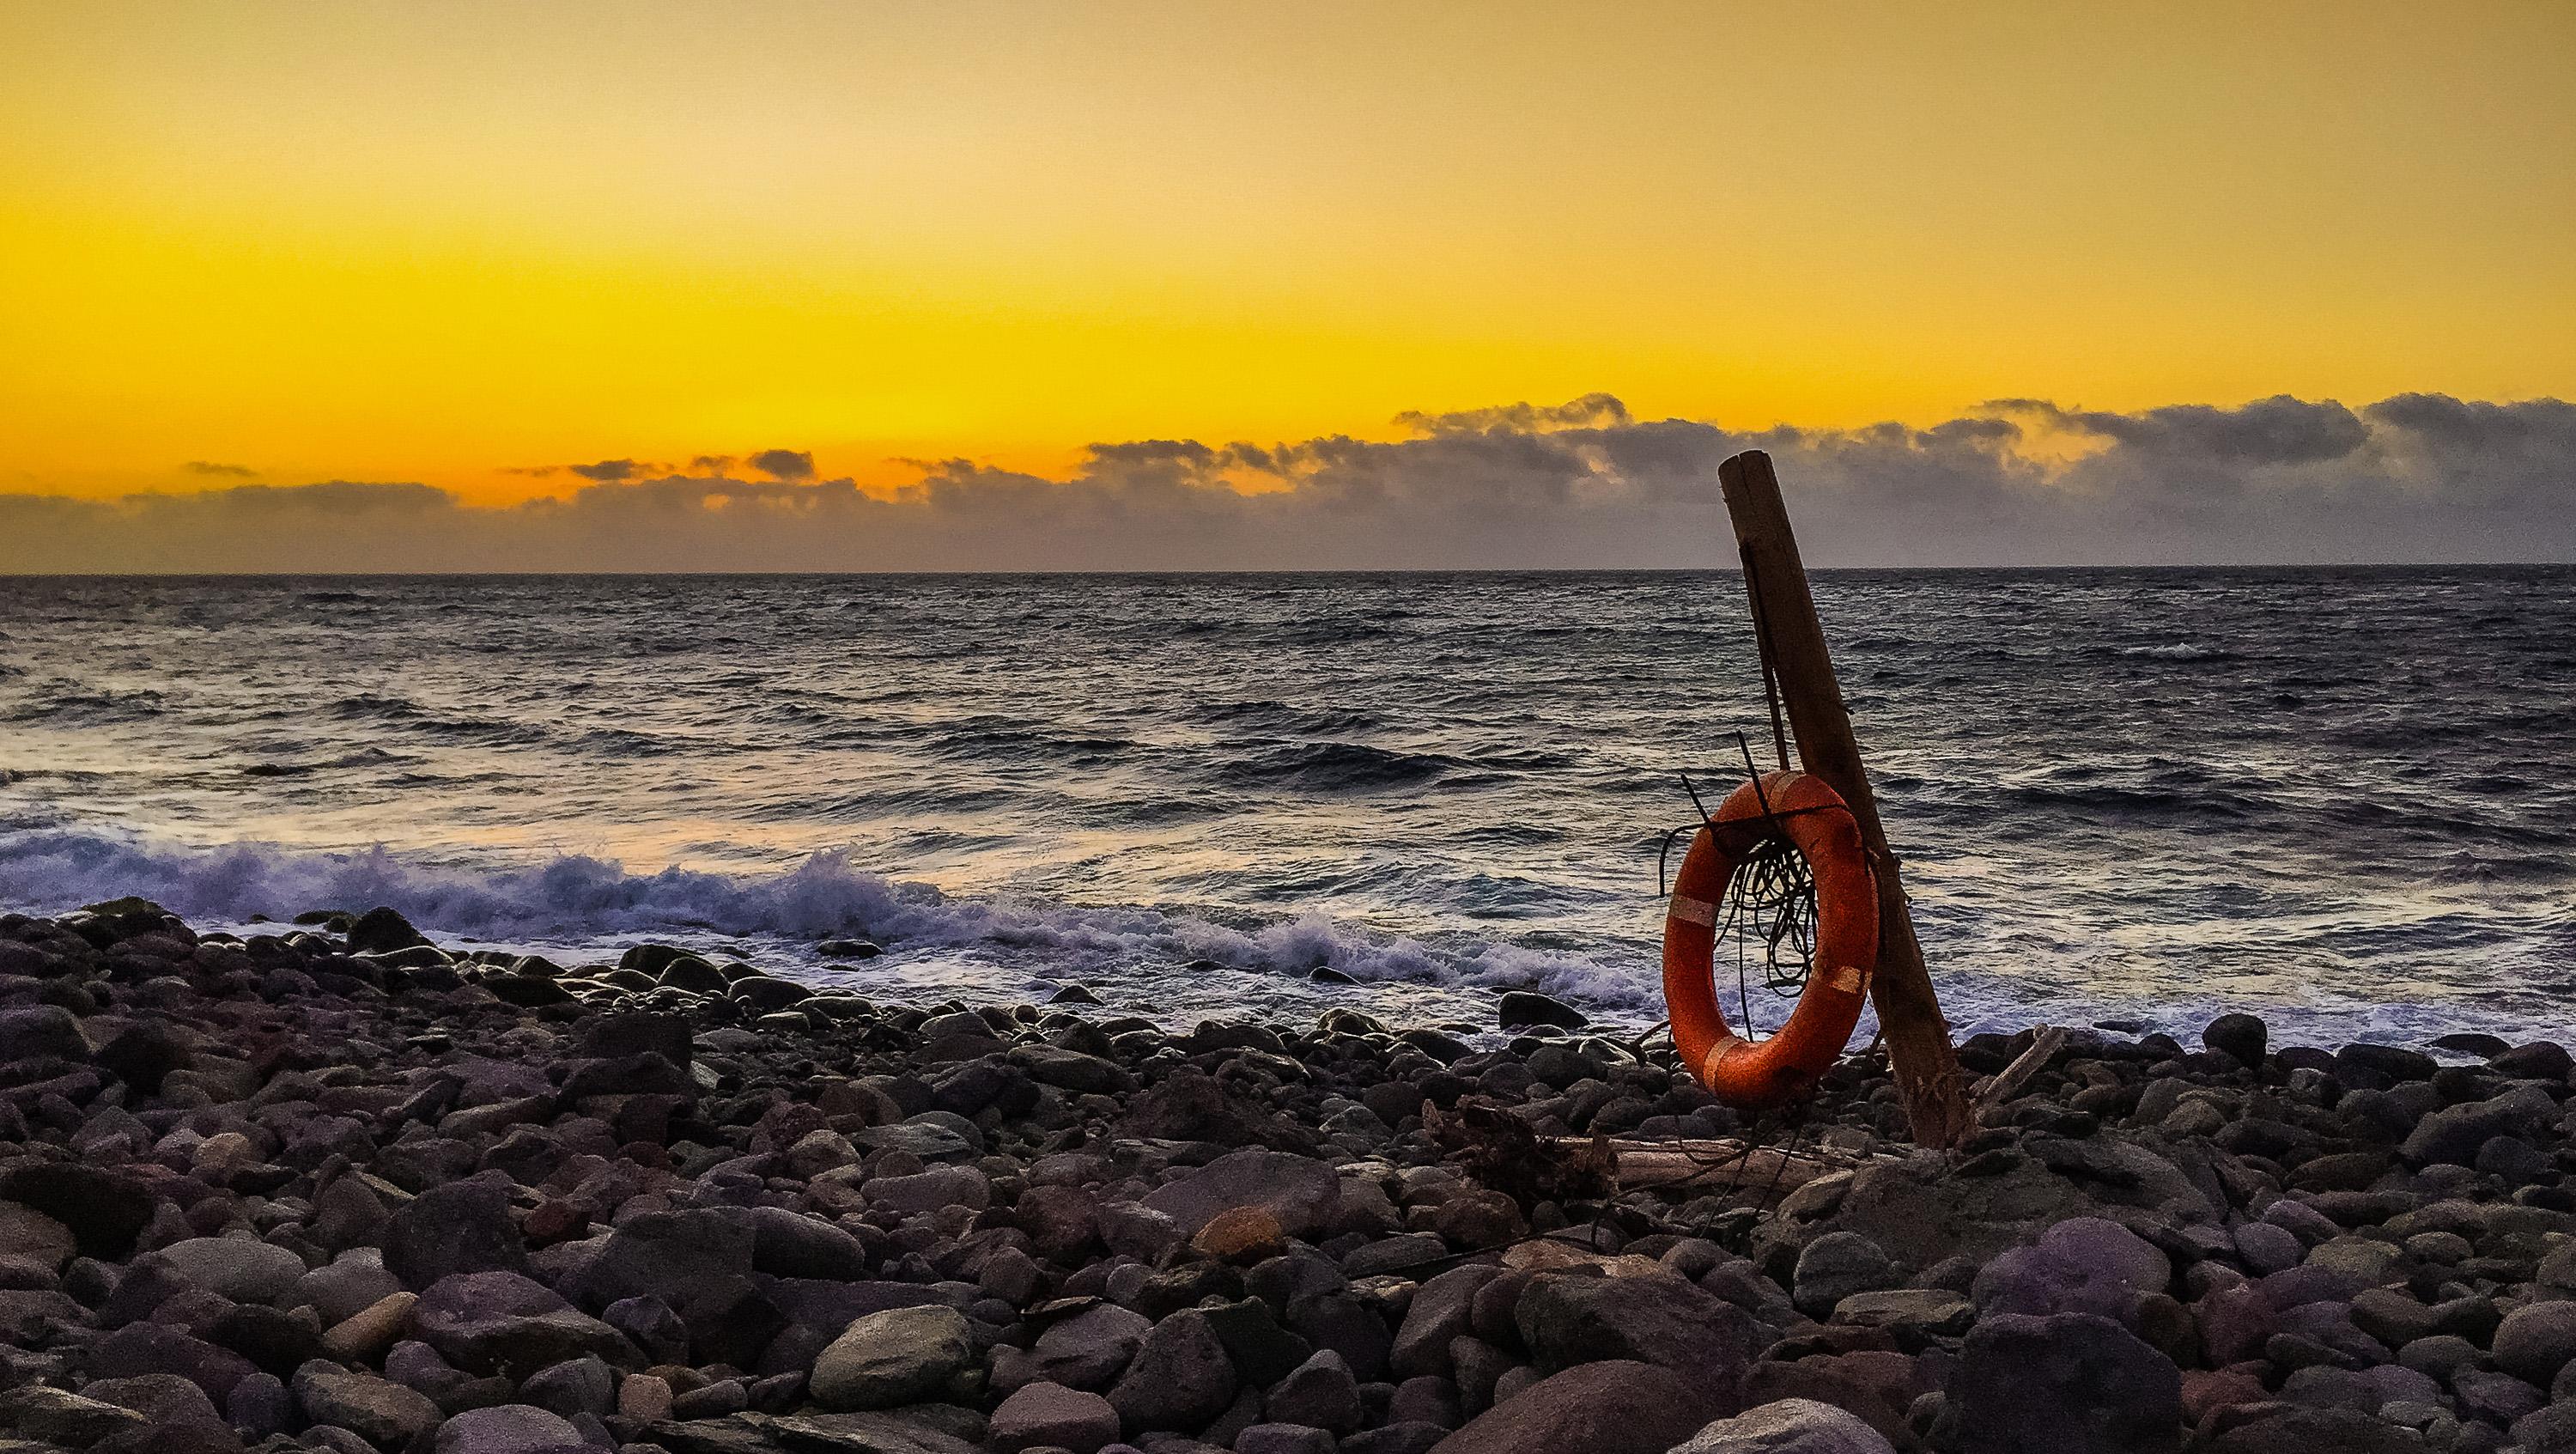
x=1784, y=611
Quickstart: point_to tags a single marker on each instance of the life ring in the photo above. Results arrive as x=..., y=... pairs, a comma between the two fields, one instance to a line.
x=1786, y=1065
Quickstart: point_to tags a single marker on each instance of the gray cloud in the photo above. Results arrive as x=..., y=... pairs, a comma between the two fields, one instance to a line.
x=231, y=471
x=784, y=464
x=2417, y=477
x=1592, y=411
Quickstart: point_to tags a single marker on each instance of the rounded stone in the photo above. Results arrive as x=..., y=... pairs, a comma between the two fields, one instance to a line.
x=235, y=1268
x=504, y=1429
x=900, y=1356
x=2536, y=1340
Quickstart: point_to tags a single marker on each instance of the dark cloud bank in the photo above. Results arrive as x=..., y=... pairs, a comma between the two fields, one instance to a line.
x=2418, y=477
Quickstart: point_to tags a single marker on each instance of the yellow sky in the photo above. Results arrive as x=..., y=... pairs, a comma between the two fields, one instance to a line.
x=431, y=242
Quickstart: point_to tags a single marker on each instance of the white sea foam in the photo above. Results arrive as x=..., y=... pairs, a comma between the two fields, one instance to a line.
x=1171, y=965
x=2179, y=651
x=578, y=901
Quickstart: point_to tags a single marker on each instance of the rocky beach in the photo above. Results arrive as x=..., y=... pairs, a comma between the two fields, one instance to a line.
x=334, y=1187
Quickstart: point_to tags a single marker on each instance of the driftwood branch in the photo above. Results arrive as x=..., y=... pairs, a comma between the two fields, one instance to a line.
x=1715, y=1164
x=2025, y=1068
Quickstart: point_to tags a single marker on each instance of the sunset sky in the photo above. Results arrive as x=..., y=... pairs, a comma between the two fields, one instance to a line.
x=466, y=245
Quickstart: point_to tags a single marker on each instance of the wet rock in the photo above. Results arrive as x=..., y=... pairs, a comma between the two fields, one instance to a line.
x=634, y=1032
x=2242, y=1038
x=1790, y=1426
x=645, y=1073
x=505, y=1429
x=384, y=1414
x=700, y=1263
x=1262, y=1350
x=1835, y=1266
x=382, y=931
x=2081, y=1265
x=31, y=1237
x=34, y=1316
x=483, y=1320
x=234, y=1267
x=1425, y=1400
x=1924, y=1312
x=58, y=1416
x=1190, y=1105
x=1284, y=1439
x=1073, y=1071
x=259, y=1406
x=790, y=1244
x=1442, y=1311
x=644, y=1397
x=930, y=1190
x=2390, y=1062
x=168, y=1401
x=1298, y=1191
x=1180, y=1378
x=39, y=1032
x=901, y=1356
x=2073, y=1383
x=141, y=1348
x=1052, y=1416
x=461, y=1227
x=1320, y=1392
x=2539, y=1060
x=2496, y=1398
x=1615, y=1407
x=1091, y=1349
x=105, y=1210
x=575, y=1386
x=2282, y=1428
x=1477, y=1218
x=2551, y=1430
x=2455, y=1134
x=2536, y=1340
x=1920, y=1213
x=1523, y=1008
x=1566, y=1319
x=1877, y=1386
x=347, y=1285
x=1399, y=1437
x=649, y=1324
x=364, y=1335
x=1241, y=1235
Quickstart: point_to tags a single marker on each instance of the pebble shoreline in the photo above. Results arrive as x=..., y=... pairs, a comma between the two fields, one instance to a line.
x=336, y=1188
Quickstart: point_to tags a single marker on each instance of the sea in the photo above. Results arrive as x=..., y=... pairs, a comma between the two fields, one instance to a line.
x=2344, y=799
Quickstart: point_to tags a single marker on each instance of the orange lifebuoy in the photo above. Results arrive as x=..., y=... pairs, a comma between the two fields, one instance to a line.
x=1784, y=1066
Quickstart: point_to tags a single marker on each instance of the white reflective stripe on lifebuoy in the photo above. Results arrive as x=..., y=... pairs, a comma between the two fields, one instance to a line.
x=1693, y=911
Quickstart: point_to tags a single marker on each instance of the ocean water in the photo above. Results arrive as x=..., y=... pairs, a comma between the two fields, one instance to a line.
x=2345, y=799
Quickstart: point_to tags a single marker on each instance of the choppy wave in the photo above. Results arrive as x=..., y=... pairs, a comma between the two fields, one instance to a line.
x=1337, y=767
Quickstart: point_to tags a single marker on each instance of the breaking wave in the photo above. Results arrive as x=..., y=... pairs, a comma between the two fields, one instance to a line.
x=579, y=900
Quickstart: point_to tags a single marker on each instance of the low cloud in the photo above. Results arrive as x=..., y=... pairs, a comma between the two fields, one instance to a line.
x=2417, y=477
x=228, y=471
x=784, y=464
x=606, y=471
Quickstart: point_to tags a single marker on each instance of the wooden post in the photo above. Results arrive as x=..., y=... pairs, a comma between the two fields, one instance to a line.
x=1909, y=1014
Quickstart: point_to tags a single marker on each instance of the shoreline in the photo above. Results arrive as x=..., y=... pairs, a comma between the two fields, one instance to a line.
x=354, y=1191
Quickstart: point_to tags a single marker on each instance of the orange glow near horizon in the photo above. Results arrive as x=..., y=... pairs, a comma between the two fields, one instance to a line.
x=371, y=241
